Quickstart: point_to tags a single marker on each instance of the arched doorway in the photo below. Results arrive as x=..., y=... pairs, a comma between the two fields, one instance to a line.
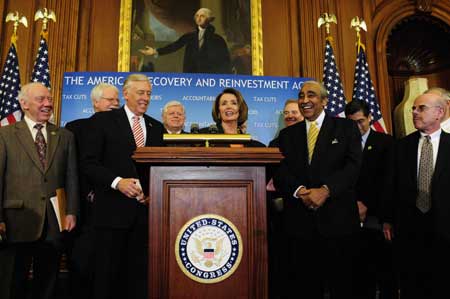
x=418, y=46
x=389, y=17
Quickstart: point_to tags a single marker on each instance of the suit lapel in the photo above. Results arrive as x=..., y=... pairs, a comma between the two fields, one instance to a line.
x=412, y=157
x=124, y=127
x=53, y=136
x=26, y=140
x=323, y=140
x=148, y=127
x=443, y=155
x=371, y=140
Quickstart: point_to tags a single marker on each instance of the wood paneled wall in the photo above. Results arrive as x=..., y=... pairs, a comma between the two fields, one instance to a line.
x=85, y=37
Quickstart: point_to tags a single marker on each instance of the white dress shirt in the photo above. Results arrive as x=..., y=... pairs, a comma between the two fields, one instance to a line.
x=130, y=116
x=31, y=123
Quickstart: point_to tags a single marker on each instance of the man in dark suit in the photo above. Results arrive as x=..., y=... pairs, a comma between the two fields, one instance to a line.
x=173, y=117
x=317, y=178
x=205, y=51
x=375, y=262
x=120, y=206
x=104, y=97
x=36, y=159
x=420, y=205
x=291, y=116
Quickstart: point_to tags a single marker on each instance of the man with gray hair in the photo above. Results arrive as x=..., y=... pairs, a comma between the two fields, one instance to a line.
x=205, y=51
x=173, y=117
x=322, y=157
x=36, y=159
x=121, y=191
x=445, y=94
x=418, y=207
x=104, y=97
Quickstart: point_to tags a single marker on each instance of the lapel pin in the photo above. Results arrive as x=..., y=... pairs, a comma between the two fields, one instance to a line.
x=369, y=147
x=53, y=133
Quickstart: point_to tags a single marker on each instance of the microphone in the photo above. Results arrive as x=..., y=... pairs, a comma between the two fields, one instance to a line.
x=213, y=129
x=194, y=128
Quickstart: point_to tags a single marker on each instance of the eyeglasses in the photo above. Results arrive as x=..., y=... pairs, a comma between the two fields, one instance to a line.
x=422, y=108
x=293, y=112
x=111, y=99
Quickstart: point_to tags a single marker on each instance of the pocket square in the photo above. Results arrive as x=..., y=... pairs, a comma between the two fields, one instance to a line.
x=334, y=141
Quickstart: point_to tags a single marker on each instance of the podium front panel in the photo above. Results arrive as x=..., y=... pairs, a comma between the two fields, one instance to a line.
x=179, y=194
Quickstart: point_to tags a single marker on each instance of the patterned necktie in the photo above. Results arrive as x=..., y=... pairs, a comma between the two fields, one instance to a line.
x=138, y=133
x=423, y=201
x=312, y=137
x=41, y=145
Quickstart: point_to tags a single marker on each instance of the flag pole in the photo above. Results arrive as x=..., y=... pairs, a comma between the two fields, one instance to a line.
x=358, y=23
x=41, y=69
x=363, y=89
x=331, y=79
x=10, y=111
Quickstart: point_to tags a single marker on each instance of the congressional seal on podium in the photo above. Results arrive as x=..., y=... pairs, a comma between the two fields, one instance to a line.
x=208, y=248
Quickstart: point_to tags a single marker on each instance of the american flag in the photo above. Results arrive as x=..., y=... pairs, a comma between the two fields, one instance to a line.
x=41, y=72
x=333, y=84
x=10, y=111
x=363, y=90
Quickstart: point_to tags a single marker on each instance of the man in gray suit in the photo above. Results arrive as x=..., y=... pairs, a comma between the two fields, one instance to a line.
x=36, y=159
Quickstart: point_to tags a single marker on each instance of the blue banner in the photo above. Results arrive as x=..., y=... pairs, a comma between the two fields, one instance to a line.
x=265, y=97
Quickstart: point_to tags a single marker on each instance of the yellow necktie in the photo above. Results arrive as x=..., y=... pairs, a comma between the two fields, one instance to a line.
x=312, y=137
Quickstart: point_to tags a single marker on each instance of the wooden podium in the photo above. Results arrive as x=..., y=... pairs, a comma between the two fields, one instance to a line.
x=190, y=182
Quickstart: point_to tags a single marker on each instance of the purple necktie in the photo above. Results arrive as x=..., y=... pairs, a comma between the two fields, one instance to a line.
x=41, y=145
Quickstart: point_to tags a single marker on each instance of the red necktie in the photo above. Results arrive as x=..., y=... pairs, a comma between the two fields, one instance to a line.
x=138, y=133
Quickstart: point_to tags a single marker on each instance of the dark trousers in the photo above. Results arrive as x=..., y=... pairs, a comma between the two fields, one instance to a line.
x=81, y=263
x=44, y=257
x=375, y=266
x=276, y=249
x=424, y=256
x=6, y=270
x=317, y=263
x=121, y=262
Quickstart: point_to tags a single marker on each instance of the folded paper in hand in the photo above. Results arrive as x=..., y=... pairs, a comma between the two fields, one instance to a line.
x=59, y=206
x=140, y=196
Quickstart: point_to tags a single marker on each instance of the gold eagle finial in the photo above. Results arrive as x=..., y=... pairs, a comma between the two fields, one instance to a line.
x=14, y=17
x=44, y=14
x=327, y=19
x=358, y=23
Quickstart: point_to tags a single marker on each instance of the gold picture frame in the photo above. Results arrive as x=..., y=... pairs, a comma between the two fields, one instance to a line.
x=125, y=35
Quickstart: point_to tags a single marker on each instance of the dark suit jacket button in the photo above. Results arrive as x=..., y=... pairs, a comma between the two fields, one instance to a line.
x=43, y=197
x=45, y=180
